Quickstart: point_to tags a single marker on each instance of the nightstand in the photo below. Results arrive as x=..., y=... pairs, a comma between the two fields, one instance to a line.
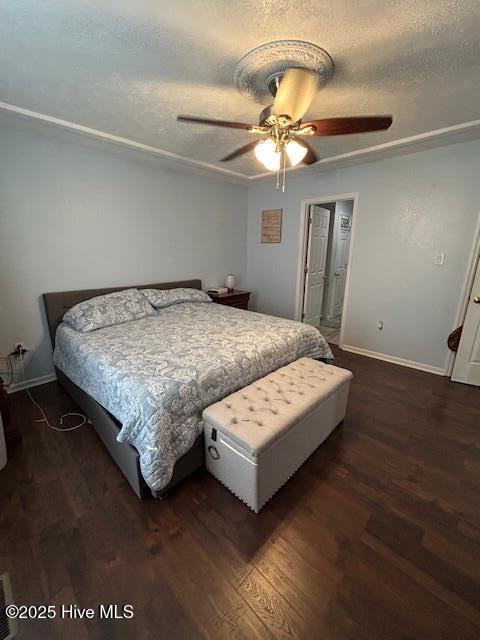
x=235, y=298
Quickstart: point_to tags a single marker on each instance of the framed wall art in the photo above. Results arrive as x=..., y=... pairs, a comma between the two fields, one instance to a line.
x=271, y=226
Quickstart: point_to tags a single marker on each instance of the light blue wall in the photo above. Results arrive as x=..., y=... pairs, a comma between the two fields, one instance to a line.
x=75, y=216
x=410, y=208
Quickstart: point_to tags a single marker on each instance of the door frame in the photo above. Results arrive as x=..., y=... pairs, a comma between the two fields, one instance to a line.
x=302, y=248
x=466, y=291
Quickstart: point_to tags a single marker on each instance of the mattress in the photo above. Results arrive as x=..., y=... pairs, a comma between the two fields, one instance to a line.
x=157, y=374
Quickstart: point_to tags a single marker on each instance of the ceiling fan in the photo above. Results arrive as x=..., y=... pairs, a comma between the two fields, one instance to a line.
x=281, y=132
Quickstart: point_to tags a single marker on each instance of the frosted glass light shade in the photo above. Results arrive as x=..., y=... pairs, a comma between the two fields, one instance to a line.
x=268, y=155
x=295, y=152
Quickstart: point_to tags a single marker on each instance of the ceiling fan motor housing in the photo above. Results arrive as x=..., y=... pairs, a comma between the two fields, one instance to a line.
x=267, y=117
x=259, y=72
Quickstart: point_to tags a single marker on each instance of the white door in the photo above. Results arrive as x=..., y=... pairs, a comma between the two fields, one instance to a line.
x=342, y=240
x=467, y=362
x=319, y=222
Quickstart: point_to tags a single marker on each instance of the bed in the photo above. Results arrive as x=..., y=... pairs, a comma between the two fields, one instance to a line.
x=145, y=383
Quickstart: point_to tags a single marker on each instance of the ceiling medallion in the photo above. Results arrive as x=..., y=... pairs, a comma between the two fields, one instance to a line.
x=266, y=64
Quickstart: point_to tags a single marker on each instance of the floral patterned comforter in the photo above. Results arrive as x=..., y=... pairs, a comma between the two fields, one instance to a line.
x=157, y=374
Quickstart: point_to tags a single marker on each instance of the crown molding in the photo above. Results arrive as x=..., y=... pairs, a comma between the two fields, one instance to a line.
x=429, y=140
x=183, y=161
x=448, y=135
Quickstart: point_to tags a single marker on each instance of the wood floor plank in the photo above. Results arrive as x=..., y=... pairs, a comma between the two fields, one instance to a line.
x=310, y=608
x=315, y=581
x=406, y=542
x=276, y=613
x=423, y=579
x=382, y=599
x=201, y=587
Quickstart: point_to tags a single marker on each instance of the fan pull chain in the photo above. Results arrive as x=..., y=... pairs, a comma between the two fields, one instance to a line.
x=282, y=169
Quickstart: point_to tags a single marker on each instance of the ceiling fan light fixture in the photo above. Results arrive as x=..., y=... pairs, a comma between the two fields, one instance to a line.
x=296, y=152
x=292, y=71
x=266, y=152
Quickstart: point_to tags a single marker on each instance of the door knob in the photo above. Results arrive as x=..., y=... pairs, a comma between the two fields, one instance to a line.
x=477, y=299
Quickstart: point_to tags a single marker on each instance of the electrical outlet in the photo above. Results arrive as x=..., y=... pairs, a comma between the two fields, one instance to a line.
x=19, y=348
x=380, y=325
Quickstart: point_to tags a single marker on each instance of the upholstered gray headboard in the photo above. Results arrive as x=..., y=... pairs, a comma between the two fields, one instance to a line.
x=58, y=303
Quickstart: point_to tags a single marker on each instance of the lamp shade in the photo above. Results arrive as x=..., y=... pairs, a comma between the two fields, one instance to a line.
x=266, y=152
x=295, y=152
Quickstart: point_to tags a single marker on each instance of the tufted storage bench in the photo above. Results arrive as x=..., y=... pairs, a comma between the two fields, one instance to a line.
x=256, y=438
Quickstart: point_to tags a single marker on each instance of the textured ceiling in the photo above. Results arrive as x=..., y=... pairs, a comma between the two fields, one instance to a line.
x=128, y=67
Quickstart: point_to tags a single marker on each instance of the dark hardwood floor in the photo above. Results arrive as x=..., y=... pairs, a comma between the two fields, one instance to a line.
x=376, y=536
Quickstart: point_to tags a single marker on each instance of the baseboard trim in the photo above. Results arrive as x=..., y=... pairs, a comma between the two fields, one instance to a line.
x=32, y=382
x=394, y=360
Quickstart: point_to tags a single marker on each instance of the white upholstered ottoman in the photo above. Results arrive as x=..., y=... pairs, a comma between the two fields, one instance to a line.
x=256, y=438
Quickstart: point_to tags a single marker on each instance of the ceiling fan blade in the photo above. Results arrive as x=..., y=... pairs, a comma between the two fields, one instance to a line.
x=215, y=123
x=295, y=93
x=342, y=126
x=239, y=152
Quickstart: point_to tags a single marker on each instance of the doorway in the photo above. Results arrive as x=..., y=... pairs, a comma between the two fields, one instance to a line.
x=327, y=236
x=465, y=364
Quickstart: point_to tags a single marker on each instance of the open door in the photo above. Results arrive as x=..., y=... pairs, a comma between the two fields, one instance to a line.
x=337, y=268
x=467, y=362
x=318, y=225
